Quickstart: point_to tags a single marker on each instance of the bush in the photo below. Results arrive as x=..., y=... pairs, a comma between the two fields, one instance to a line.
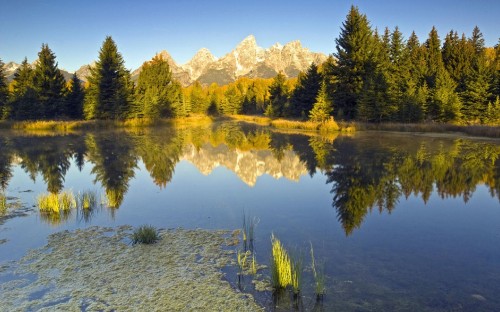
x=145, y=234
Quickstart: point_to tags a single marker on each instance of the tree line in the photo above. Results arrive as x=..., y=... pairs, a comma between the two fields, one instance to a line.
x=372, y=76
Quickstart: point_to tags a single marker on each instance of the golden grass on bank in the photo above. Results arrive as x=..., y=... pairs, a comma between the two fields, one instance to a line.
x=55, y=203
x=473, y=130
x=260, y=120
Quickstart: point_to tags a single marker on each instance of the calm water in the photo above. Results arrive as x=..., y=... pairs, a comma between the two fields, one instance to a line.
x=401, y=221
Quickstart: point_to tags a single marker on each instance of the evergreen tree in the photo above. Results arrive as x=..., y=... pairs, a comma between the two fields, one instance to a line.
x=496, y=82
x=155, y=88
x=24, y=104
x=179, y=103
x=433, y=57
x=49, y=84
x=278, y=96
x=476, y=94
x=4, y=91
x=199, y=99
x=305, y=93
x=322, y=107
x=74, y=99
x=354, y=57
x=445, y=98
x=109, y=95
x=234, y=100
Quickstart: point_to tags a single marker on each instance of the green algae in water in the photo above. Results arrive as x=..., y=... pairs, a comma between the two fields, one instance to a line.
x=97, y=270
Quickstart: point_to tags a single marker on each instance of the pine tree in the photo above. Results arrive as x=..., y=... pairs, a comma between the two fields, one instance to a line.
x=434, y=57
x=74, y=99
x=278, y=96
x=24, y=104
x=445, y=99
x=109, y=95
x=354, y=57
x=496, y=82
x=49, y=84
x=304, y=95
x=322, y=107
x=4, y=91
x=199, y=99
x=477, y=92
x=154, y=88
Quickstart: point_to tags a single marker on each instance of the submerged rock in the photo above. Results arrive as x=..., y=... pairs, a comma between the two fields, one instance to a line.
x=97, y=269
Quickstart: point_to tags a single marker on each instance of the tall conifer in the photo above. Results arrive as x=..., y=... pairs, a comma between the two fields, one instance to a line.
x=24, y=104
x=74, y=99
x=109, y=95
x=49, y=84
x=4, y=91
x=354, y=56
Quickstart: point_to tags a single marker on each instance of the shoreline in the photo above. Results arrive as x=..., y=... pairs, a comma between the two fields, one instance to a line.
x=327, y=127
x=98, y=269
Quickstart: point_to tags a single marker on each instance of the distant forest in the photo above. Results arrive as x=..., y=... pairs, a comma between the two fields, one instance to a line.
x=371, y=77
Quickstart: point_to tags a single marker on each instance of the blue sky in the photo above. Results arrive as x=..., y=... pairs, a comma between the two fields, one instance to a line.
x=75, y=30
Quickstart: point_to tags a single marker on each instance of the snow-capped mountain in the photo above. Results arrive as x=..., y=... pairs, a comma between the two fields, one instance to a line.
x=247, y=59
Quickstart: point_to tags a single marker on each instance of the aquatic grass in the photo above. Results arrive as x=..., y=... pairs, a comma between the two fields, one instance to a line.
x=86, y=200
x=87, y=203
x=3, y=203
x=66, y=201
x=297, y=268
x=281, y=268
x=253, y=267
x=145, y=234
x=319, y=277
x=48, y=203
x=249, y=224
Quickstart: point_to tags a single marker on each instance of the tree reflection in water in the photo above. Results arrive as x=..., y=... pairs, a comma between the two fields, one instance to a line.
x=365, y=171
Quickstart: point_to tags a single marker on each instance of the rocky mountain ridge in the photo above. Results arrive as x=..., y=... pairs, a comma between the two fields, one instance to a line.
x=247, y=59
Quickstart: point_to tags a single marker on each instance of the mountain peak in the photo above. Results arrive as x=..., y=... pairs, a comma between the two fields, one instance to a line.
x=199, y=62
x=248, y=42
x=203, y=53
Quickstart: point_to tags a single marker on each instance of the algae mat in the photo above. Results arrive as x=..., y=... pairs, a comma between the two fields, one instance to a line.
x=97, y=269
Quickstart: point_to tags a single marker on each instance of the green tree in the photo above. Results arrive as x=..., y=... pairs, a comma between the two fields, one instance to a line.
x=445, y=98
x=322, y=107
x=4, y=91
x=74, y=99
x=24, y=104
x=496, y=82
x=109, y=95
x=354, y=57
x=49, y=84
x=413, y=104
x=234, y=100
x=305, y=93
x=155, y=89
x=477, y=92
x=433, y=57
x=199, y=99
x=278, y=96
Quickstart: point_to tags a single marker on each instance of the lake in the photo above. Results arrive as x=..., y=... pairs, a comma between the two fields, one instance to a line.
x=399, y=221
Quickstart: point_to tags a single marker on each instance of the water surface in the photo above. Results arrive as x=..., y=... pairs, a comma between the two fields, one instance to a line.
x=400, y=221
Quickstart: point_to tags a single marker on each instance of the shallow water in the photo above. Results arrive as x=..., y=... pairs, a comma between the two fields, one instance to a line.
x=400, y=221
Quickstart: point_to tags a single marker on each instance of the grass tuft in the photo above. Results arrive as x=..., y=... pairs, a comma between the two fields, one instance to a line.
x=3, y=203
x=145, y=234
x=319, y=277
x=281, y=268
x=56, y=203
